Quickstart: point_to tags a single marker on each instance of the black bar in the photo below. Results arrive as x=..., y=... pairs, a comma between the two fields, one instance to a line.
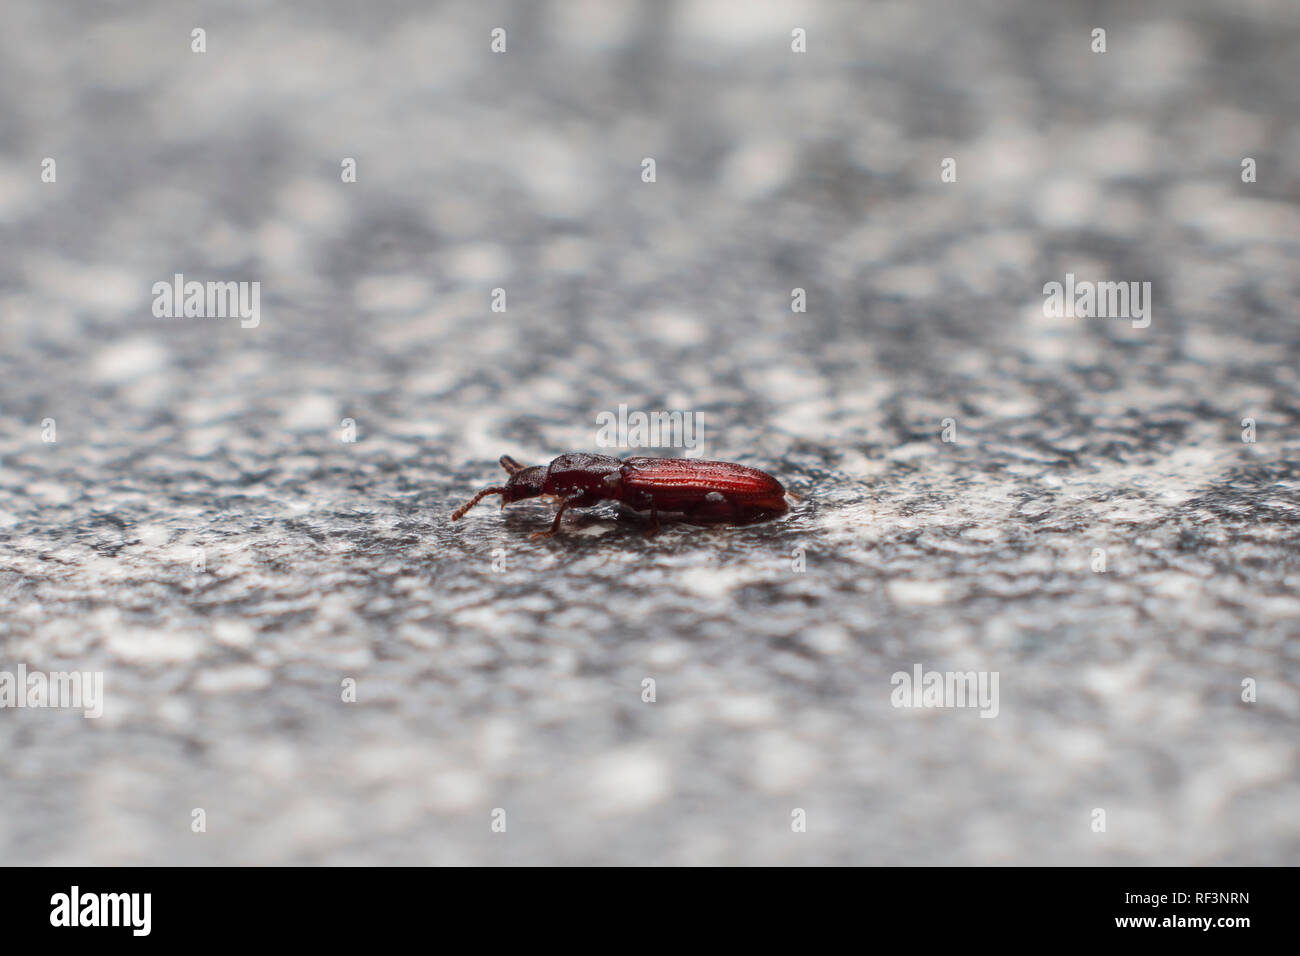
x=327, y=906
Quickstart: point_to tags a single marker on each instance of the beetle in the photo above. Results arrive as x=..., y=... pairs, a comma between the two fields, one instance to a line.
x=699, y=490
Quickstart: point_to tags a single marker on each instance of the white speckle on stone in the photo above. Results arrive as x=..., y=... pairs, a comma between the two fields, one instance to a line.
x=174, y=711
x=594, y=529
x=153, y=647
x=739, y=23
x=420, y=635
x=912, y=451
x=152, y=535
x=200, y=442
x=313, y=203
x=755, y=169
x=828, y=639
x=479, y=262
x=232, y=680
x=1112, y=681
x=677, y=328
x=558, y=173
x=746, y=710
x=497, y=741
x=130, y=360
x=50, y=492
x=568, y=255
x=1067, y=203
x=714, y=583
x=627, y=781
x=919, y=592
x=281, y=245
x=488, y=619
x=1034, y=508
x=455, y=790
x=16, y=191
x=312, y=412
x=1083, y=747
x=1131, y=512
x=782, y=763
x=381, y=761
x=355, y=658
x=389, y=293
x=591, y=24
x=668, y=655
x=907, y=282
x=233, y=633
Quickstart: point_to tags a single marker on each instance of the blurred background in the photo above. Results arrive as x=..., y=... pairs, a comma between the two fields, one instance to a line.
x=200, y=531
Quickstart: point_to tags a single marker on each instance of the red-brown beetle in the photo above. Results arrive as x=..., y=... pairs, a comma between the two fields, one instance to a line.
x=699, y=490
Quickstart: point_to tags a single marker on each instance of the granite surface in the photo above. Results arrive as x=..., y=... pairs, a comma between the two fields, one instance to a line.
x=201, y=533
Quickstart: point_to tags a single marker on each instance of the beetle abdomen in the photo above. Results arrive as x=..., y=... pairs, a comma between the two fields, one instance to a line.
x=713, y=489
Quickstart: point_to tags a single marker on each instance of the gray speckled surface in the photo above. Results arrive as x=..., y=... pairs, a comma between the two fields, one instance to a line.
x=521, y=688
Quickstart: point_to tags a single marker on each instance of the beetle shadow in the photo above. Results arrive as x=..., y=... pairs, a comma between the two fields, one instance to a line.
x=628, y=525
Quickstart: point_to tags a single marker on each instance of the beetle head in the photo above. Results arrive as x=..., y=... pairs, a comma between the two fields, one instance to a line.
x=524, y=483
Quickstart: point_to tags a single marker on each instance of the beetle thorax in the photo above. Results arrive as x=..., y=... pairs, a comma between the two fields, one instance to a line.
x=592, y=474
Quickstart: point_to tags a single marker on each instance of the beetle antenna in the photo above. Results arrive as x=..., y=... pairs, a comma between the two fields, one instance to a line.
x=460, y=512
x=510, y=465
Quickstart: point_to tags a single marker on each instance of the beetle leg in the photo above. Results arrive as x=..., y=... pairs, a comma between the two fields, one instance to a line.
x=653, y=530
x=555, y=525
